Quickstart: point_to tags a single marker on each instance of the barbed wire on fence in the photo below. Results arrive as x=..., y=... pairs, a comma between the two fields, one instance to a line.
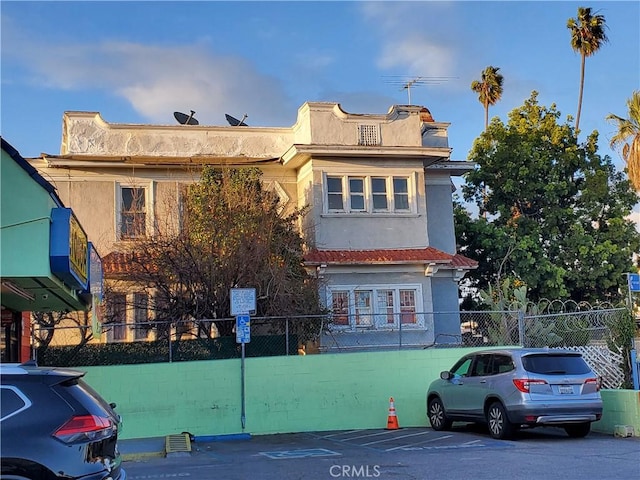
x=145, y=342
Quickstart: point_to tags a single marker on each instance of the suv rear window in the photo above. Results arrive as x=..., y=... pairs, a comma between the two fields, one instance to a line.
x=555, y=364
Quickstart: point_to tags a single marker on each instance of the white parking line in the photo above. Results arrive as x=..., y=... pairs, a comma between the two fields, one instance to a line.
x=385, y=432
x=472, y=441
x=340, y=433
x=395, y=438
x=426, y=441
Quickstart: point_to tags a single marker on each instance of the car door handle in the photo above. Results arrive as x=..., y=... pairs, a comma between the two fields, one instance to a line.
x=483, y=381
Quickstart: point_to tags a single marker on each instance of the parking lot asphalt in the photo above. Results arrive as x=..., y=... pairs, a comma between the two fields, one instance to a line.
x=465, y=452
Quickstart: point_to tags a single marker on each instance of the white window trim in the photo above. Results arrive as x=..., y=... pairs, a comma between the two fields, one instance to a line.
x=379, y=321
x=149, y=188
x=368, y=195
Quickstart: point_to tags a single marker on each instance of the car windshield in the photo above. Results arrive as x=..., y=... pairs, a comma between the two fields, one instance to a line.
x=555, y=364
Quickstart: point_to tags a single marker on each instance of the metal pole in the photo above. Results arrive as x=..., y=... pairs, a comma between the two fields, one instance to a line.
x=242, y=414
x=286, y=334
x=521, y=329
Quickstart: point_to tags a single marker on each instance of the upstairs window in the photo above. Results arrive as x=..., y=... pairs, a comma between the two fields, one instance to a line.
x=356, y=194
x=334, y=193
x=400, y=193
x=132, y=208
x=352, y=194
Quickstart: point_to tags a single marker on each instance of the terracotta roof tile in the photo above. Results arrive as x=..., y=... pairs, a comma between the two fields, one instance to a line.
x=390, y=256
x=117, y=263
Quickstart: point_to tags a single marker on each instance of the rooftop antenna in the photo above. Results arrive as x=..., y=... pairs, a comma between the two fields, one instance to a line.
x=405, y=82
x=234, y=122
x=185, y=119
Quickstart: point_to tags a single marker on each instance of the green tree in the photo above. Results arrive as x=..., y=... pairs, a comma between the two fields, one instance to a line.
x=489, y=90
x=628, y=136
x=587, y=36
x=556, y=210
x=232, y=235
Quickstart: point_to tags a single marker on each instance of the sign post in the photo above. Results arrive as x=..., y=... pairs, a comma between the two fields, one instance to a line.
x=633, y=282
x=243, y=303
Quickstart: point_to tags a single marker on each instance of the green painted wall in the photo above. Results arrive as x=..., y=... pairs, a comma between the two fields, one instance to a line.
x=292, y=394
x=283, y=394
x=25, y=211
x=621, y=407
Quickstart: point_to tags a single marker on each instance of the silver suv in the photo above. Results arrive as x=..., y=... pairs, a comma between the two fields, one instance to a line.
x=512, y=388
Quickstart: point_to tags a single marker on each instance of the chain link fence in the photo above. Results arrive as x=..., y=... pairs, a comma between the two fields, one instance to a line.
x=148, y=342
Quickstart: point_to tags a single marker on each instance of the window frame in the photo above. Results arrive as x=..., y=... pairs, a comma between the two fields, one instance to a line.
x=149, y=209
x=369, y=194
x=379, y=313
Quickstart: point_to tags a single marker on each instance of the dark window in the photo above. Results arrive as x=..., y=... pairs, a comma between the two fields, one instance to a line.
x=555, y=364
x=133, y=213
x=481, y=366
x=10, y=402
x=334, y=193
x=501, y=364
x=117, y=316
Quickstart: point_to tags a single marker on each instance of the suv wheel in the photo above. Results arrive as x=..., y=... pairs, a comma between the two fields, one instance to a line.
x=437, y=416
x=499, y=425
x=578, y=430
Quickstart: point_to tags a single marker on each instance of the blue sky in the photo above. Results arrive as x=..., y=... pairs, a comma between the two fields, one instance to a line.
x=138, y=62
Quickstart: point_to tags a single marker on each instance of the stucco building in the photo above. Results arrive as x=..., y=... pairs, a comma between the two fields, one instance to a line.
x=379, y=229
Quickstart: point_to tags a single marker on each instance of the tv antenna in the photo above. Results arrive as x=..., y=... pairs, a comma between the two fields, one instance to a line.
x=234, y=122
x=185, y=119
x=406, y=83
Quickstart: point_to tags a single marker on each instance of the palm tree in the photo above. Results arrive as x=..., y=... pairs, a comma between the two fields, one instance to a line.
x=587, y=36
x=628, y=135
x=489, y=90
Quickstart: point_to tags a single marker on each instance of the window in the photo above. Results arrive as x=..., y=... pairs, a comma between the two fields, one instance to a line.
x=378, y=306
x=363, y=308
x=408, y=306
x=334, y=193
x=462, y=367
x=379, y=193
x=385, y=305
x=356, y=193
x=345, y=194
x=400, y=193
x=117, y=316
x=140, y=315
x=340, y=307
x=132, y=208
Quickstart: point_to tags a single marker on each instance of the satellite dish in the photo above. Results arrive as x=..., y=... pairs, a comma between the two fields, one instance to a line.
x=185, y=119
x=234, y=122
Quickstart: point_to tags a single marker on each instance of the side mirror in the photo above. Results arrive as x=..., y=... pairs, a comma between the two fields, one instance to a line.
x=446, y=375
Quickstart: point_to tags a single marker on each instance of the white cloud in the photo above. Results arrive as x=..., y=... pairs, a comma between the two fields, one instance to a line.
x=158, y=80
x=417, y=55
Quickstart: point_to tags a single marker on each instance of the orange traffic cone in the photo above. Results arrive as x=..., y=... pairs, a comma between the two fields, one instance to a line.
x=392, y=419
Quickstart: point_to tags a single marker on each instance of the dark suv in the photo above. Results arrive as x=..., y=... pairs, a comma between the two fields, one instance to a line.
x=55, y=426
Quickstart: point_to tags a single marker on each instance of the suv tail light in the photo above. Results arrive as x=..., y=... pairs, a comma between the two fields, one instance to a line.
x=84, y=428
x=595, y=381
x=524, y=384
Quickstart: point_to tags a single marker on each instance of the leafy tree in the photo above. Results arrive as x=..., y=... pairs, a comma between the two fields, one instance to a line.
x=556, y=210
x=489, y=90
x=628, y=136
x=232, y=235
x=587, y=36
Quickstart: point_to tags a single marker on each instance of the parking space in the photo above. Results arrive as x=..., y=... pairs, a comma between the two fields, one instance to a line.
x=465, y=452
x=408, y=439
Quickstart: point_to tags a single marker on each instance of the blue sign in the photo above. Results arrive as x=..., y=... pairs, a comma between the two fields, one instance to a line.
x=68, y=249
x=634, y=282
x=243, y=329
